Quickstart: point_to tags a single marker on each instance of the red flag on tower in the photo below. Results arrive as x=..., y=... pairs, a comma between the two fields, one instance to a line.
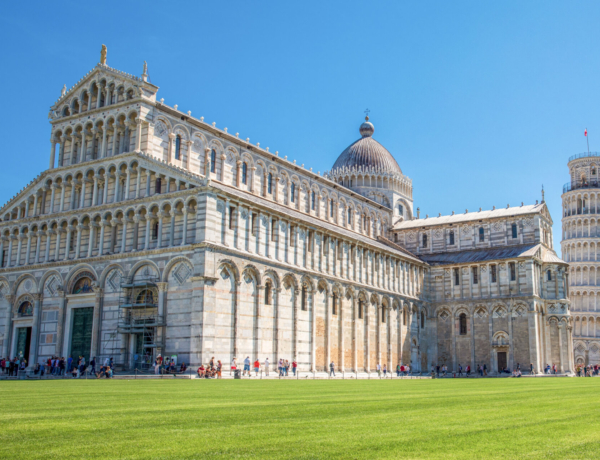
x=585, y=132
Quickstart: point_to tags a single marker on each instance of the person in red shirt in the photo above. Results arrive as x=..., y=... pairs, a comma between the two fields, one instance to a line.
x=256, y=366
x=294, y=366
x=201, y=371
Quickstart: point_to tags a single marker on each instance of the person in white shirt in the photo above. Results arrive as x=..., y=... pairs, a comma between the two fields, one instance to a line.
x=267, y=367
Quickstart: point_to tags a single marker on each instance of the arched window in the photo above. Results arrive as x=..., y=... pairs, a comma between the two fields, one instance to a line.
x=82, y=286
x=334, y=304
x=304, y=303
x=424, y=241
x=513, y=271
x=213, y=160
x=331, y=208
x=145, y=296
x=270, y=183
x=26, y=309
x=293, y=192
x=244, y=173
x=158, y=186
x=383, y=314
x=481, y=235
x=404, y=317
x=349, y=216
x=451, y=237
x=177, y=147
x=549, y=275
x=312, y=200
x=400, y=210
x=422, y=320
x=268, y=293
x=155, y=231
x=463, y=324
x=360, y=309
x=513, y=228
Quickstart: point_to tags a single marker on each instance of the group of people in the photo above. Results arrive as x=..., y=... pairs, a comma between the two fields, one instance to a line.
x=12, y=367
x=587, y=371
x=211, y=371
x=57, y=367
x=168, y=366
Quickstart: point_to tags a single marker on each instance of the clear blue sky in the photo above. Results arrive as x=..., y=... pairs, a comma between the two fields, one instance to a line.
x=480, y=102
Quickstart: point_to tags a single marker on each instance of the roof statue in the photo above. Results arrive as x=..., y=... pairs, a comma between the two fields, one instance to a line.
x=63, y=91
x=103, y=55
x=145, y=68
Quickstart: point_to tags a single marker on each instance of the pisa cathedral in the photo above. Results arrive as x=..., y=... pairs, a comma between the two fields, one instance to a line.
x=154, y=232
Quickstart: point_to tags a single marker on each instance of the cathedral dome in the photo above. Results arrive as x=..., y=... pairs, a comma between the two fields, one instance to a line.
x=366, y=153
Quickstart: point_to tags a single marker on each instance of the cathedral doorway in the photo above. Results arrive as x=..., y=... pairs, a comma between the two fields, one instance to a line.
x=502, y=362
x=23, y=343
x=81, y=335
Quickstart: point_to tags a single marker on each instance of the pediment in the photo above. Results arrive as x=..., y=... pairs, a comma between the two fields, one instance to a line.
x=100, y=76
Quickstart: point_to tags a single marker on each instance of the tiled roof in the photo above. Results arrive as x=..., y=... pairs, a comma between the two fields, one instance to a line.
x=471, y=216
x=483, y=255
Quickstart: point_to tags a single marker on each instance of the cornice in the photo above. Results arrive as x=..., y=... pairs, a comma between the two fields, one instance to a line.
x=97, y=259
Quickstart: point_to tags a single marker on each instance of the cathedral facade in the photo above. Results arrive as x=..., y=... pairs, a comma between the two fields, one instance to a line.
x=153, y=232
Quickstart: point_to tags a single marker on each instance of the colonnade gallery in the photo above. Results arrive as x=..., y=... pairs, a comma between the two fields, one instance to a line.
x=154, y=232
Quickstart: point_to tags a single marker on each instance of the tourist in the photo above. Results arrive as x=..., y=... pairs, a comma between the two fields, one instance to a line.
x=247, y=366
x=156, y=367
x=468, y=370
x=407, y=370
x=267, y=367
x=70, y=364
x=332, y=369
x=182, y=368
x=201, y=371
x=384, y=370
x=403, y=370
x=280, y=367
x=437, y=370
x=218, y=371
x=286, y=367
x=256, y=366
x=485, y=369
x=531, y=368
x=398, y=370
x=211, y=363
x=379, y=370
x=233, y=367
x=92, y=365
x=294, y=367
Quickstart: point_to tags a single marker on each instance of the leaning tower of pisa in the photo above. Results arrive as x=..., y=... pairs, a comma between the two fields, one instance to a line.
x=581, y=248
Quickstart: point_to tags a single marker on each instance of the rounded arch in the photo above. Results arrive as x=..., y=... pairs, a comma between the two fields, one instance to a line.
x=21, y=280
x=141, y=264
x=230, y=266
x=272, y=275
x=291, y=279
x=254, y=272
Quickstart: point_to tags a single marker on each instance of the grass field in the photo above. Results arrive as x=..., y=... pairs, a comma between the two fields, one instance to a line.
x=480, y=418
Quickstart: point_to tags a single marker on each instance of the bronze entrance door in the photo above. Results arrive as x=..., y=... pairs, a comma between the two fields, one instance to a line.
x=23, y=343
x=81, y=341
x=501, y=360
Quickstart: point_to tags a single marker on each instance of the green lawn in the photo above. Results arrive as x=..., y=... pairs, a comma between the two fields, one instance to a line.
x=450, y=418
